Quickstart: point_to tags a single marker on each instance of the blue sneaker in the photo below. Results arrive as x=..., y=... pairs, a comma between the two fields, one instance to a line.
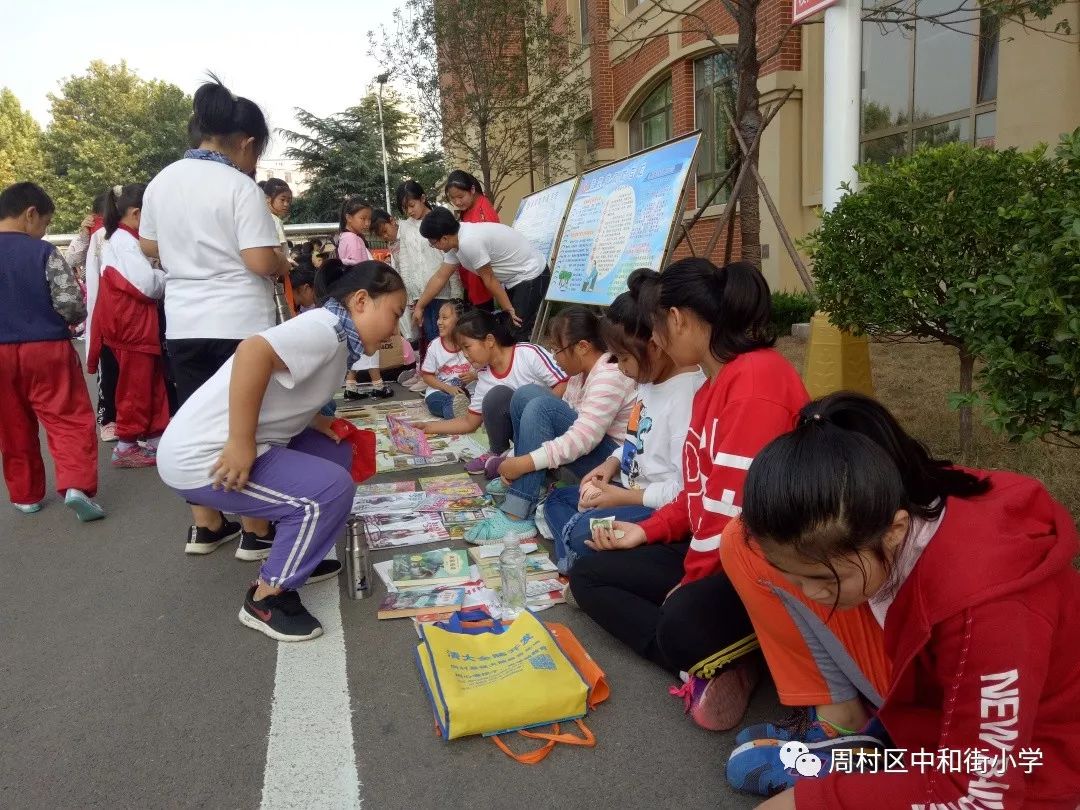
x=803, y=725
x=768, y=767
x=83, y=507
x=28, y=508
x=499, y=528
x=497, y=489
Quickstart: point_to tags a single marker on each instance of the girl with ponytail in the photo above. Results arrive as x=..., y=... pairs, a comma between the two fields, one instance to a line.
x=907, y=604
x=208, y=223
x=659, y=585
x=126, y=321
x=252, y=441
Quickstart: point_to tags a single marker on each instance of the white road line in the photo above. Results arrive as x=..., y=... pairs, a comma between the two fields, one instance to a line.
x=310, y=759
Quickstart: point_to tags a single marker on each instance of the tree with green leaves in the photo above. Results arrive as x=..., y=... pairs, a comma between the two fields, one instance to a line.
x=21, y=154
x=497, y=82
x=1023, y=320
x=343, y=155
x=900, y=258
x=109, y=126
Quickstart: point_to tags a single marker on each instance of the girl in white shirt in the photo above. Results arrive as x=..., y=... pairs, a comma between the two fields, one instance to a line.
x=446, y=371
x=648, y=464
x=503, y=366
x=252, y=441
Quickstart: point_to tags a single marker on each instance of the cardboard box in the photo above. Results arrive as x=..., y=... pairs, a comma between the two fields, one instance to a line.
x=391, y=354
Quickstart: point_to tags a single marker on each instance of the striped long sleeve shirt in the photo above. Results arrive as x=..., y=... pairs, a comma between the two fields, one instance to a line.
x=603, y=400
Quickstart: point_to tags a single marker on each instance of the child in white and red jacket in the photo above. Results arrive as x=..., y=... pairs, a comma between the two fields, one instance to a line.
x=659, y=586
x=969, y=574
x=126, y=321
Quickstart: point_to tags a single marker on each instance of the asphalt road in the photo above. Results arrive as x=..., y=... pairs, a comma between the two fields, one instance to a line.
x=126, y=681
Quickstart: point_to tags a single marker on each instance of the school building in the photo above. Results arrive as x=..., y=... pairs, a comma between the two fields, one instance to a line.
x=921, y=84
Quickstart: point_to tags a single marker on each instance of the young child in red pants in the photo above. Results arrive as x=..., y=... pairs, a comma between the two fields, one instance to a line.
x=126, y=320
x=40, y=373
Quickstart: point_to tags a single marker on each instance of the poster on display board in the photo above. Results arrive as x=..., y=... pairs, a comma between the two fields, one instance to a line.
x=621, y=218
x=540, y=215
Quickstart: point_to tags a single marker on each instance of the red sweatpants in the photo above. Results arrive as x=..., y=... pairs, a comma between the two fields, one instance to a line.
x=142, y=405
x=44, y=382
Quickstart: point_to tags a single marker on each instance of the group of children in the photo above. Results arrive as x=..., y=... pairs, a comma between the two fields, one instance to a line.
x=897, y=601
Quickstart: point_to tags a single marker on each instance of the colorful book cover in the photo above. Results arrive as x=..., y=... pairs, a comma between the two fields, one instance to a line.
x=537, y=566
x=366, y=490
x=408, y=438
x=397, y=502
x=416, y=602
x=453, y=503
x=465, y=518
x=427, y=569
x=398, y=530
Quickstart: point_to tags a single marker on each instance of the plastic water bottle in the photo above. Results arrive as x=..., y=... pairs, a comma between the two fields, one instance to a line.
x=512, y=573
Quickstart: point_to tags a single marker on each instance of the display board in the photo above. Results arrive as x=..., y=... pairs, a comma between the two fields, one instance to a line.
x=621, y=218
x=540, y=215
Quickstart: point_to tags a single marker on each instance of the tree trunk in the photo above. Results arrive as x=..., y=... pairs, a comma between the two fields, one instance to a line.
x=967, y=365
x=748, y=112
x=485, y=165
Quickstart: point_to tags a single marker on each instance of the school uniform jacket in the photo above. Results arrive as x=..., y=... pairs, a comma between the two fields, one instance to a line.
x=756, y=397
x=126, y=310
x=984, y=636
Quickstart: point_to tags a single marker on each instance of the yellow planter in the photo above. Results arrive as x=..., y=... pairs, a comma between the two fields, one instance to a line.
x=836, y=360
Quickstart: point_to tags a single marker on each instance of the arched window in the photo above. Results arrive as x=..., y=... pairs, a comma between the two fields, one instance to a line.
x=714, y=93
x=651, y=124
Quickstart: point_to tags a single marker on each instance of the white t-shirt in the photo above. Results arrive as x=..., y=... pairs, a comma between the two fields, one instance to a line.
x=651, y=456
x=512, y=257
x=446, y=365
x=311, y=345
x=202, y=214
x=529, y=364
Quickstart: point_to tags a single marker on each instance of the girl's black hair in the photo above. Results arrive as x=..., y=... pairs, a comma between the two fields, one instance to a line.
x=303, y=273
x=349, y=206
x=575, y=324
x=734, y=300
x=378, y=219
x=274, y=187
x=118, y=200
x=627, y=324
x=439, y=222
x=410, y=190
x=833, y=485
x=217, y=112
x=458, y=305
x=99, y=203
x=477, y=324
x=459, y=178
x=17, y=197
x=339, y=281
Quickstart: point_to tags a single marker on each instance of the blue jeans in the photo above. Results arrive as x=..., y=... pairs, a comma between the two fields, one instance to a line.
x=539, y=416
x=571, y=527
x=441, y=404
x=429, y=328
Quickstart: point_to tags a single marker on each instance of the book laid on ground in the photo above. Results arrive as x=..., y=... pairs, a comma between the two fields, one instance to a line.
x=366, y=490
x=388, y=531
x=428, y=569
x=438, y=601
x=537, y=566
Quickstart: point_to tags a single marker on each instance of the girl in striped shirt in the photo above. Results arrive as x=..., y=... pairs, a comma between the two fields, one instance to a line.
x=578, y=431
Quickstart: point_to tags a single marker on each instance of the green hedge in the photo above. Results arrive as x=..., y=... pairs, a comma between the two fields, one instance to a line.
x=789, y=308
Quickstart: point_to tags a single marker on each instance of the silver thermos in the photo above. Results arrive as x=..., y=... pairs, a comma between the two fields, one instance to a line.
x=357, y=559
x=281, y=302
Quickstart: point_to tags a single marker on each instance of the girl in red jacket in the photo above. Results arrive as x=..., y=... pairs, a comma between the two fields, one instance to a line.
x=659, y=586
x=969, y=574
x=466, y=194
x=126, y=320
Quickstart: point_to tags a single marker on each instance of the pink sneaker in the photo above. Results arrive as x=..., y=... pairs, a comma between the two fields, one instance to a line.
x=718, y=704
x=133, y=458
x=108, y=432
x=477, y=465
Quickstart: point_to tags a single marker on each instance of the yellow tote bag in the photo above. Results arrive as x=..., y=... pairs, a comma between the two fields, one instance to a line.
x=489, y=683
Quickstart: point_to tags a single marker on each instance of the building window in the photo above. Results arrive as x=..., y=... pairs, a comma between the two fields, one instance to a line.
x=714, y=94
x=542, y=161
x=584, y=144
x=651, y=124
x=288, y=177
x=583, y=17
x=631, y=5
x=929, y=84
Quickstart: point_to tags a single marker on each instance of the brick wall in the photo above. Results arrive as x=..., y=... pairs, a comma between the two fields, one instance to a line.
x=700, y=235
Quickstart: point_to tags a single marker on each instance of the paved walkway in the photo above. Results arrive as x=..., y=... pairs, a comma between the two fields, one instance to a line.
x=126, y=681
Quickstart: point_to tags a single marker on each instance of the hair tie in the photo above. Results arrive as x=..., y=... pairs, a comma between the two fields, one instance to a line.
x=117, y=190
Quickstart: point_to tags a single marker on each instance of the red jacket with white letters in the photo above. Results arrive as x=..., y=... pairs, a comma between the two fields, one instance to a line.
x=984, y=636
x=756, y=397
x=126, y=310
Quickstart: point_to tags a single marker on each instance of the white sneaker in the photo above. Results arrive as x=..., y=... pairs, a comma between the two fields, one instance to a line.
x=108, y=432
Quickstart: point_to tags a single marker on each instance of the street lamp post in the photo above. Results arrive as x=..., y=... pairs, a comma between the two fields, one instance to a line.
x=382, y=79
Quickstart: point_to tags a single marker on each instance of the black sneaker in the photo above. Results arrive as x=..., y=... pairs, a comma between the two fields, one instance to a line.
x=327, y=569
x=252, y=547
x=202, y=540
x=282, y=617
x=382, y=393
x=353, y=395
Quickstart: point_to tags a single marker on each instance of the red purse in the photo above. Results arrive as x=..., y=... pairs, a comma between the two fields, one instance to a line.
x=363, y=444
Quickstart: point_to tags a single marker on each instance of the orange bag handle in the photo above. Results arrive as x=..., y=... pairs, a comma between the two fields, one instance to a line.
x=587, y=740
